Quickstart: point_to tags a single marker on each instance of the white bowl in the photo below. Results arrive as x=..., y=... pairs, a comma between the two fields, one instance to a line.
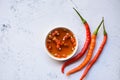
x=68, y=57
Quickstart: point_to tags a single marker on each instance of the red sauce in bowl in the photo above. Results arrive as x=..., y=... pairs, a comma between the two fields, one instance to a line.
x=60, y=42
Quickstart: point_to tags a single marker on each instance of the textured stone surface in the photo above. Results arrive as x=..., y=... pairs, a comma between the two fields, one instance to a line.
x=25, y=23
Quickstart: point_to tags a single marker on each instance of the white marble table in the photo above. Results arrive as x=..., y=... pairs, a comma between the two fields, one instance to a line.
x=25, y=23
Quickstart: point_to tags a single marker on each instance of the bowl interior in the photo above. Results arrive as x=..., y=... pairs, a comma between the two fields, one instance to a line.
x=62, y=41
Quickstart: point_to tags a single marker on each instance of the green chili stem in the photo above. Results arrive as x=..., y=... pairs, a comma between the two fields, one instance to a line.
x=83, y=20
x=96, y=31
x=104, y=27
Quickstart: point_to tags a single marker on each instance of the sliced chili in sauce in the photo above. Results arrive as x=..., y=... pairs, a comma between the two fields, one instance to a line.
x=60, y=42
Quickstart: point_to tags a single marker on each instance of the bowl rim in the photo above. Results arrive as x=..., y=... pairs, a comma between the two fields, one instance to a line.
x=70, y=56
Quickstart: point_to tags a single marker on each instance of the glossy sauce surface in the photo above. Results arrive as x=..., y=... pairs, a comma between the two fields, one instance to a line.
x=60, y=42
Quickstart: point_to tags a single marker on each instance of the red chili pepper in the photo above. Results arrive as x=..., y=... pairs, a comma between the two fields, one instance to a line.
x=97, y=54
x=89, y=54
x=86, y=44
